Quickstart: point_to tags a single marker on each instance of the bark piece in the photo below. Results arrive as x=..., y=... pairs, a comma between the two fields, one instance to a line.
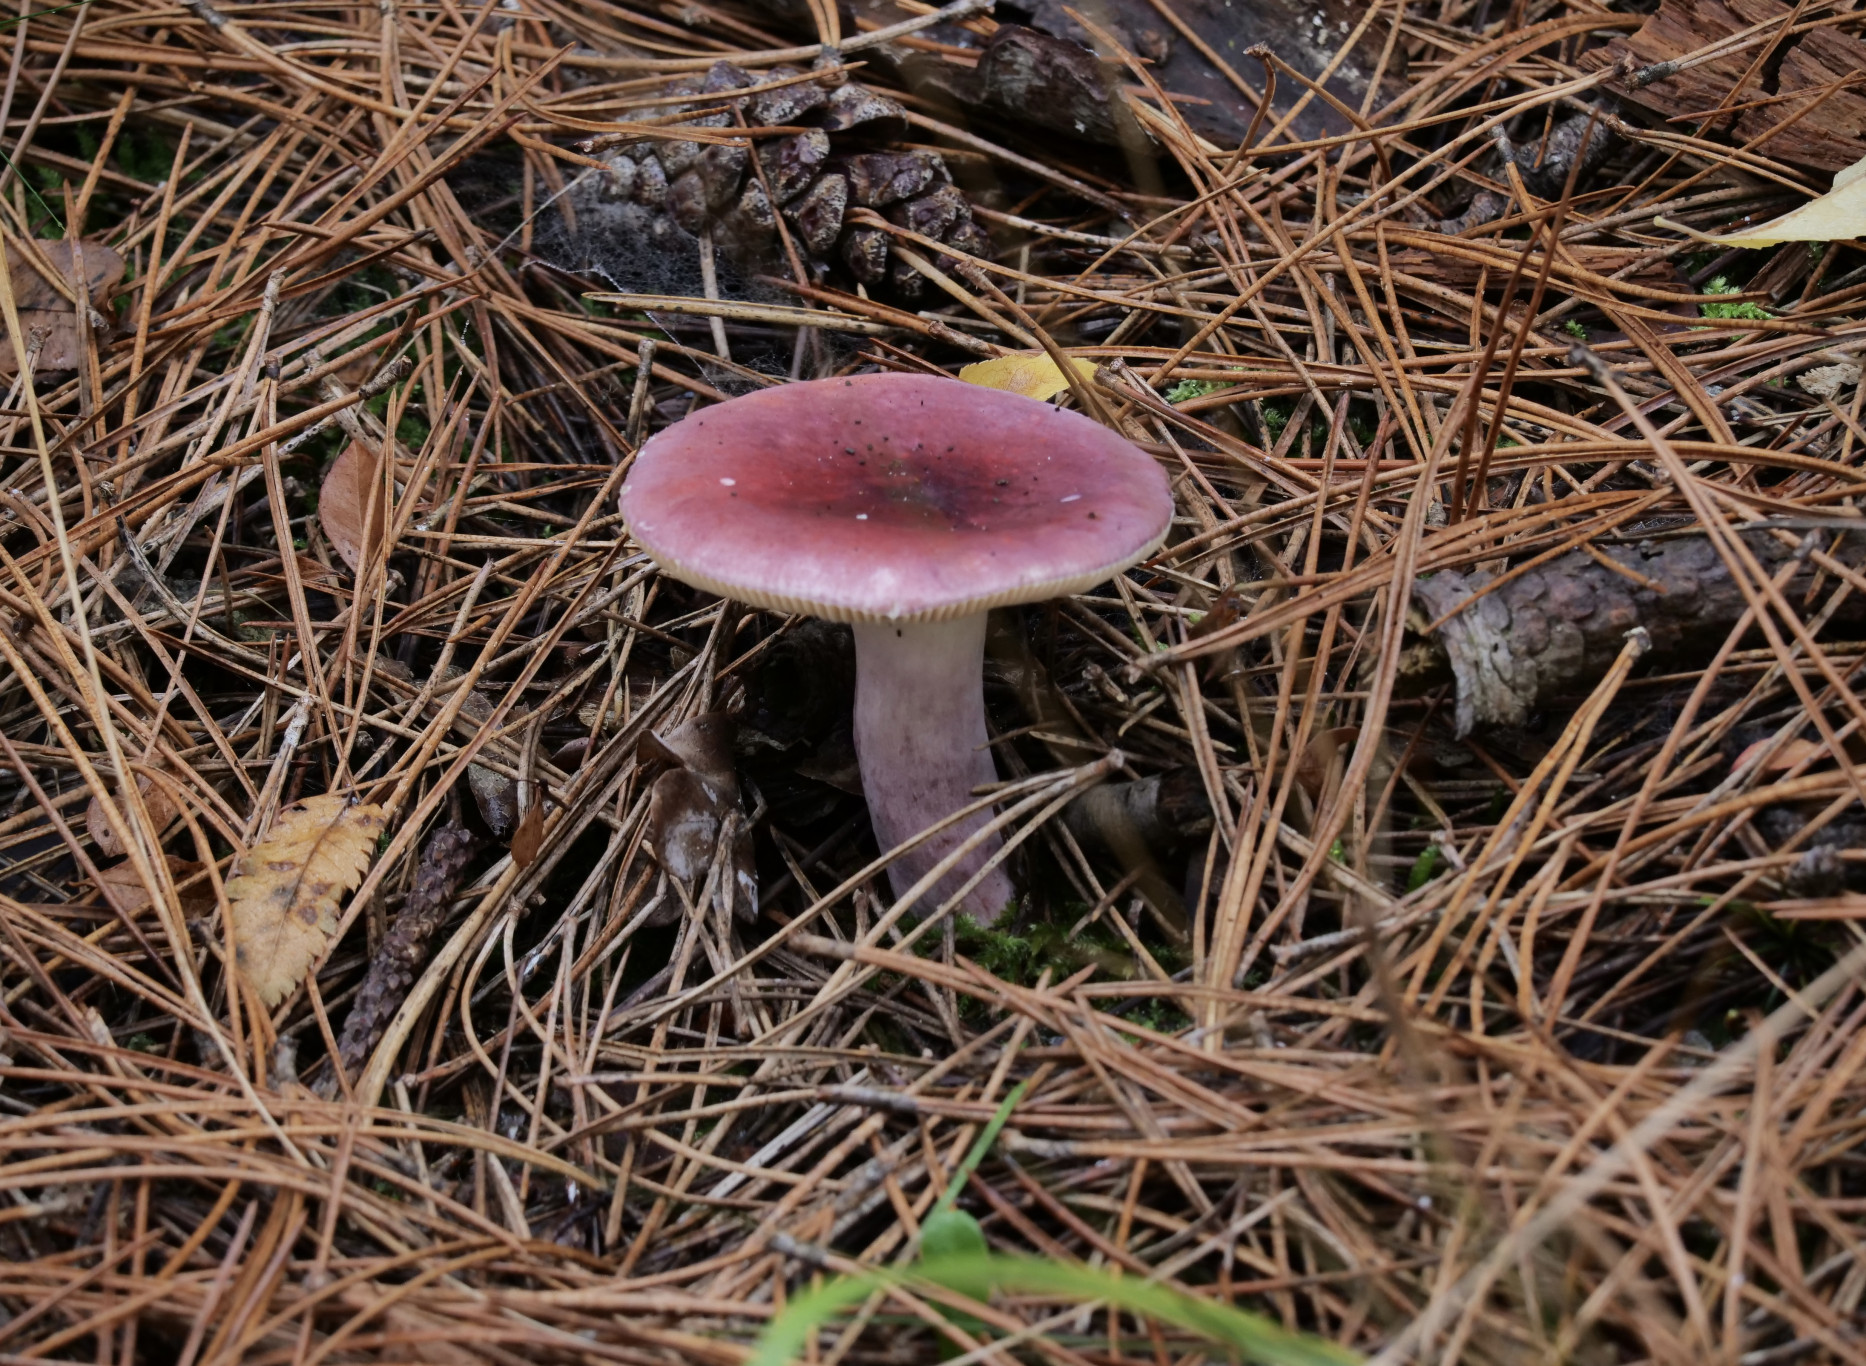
x=1557, y=628
x=1052, y=82
x=1822, y=125
x=403, y=952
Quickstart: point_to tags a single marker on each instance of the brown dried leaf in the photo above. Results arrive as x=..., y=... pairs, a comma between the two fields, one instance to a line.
x=1324, y=754
x=496, y=796
x=41, y=305
x=1786, y=756
x=155, y=801
x=283, y=901
x=132, y=896
x=352, y=505
x=529, y=836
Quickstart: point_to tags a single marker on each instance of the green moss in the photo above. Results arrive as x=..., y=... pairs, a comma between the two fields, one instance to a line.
x=1741, y=308
x=1574, y=329
x=1276, y=414
x=1193, y=388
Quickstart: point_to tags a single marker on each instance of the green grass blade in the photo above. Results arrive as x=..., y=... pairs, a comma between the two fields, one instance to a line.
x=1249, y=1335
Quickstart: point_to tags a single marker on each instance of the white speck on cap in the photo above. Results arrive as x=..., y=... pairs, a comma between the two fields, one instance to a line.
x=861, y=516
x=1071, y=498
x=728, y=482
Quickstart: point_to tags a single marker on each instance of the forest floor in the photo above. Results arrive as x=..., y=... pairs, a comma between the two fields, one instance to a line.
x=1441, y=866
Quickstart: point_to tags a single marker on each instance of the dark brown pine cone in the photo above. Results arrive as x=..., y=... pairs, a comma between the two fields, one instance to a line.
x=813, y=178
x=1557, y=628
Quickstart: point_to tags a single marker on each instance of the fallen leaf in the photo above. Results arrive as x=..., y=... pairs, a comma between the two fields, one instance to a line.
x=528, y=837
x=1030, y=373
x=570, y=755
x=1789, y=754
x=496, y=796
x=41, y=305
x=1226, y=610
x=352, y=505
x=1837, y=216
x=155, y=801
x=283, y=900
x=132, y=896
x=1324, y=749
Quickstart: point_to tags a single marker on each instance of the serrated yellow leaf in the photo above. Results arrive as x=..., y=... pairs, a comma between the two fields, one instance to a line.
x=1030, y=373
x=1837, y=216
x=283, y=900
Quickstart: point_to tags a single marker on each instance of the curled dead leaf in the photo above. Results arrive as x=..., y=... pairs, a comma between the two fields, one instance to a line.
x=1326, y=752
x=352, y=504
x=689, y=805
x=702, y=743
x=283, y=900
x=43, y=307
x=155, y=801
x=683, y=823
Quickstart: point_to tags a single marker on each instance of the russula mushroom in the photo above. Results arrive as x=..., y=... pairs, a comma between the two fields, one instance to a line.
x=908, y=506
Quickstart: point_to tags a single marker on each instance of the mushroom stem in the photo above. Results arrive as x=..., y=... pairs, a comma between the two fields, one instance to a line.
x=921, y=740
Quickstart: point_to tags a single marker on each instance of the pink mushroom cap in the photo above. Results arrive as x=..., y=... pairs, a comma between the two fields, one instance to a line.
x=893, y=497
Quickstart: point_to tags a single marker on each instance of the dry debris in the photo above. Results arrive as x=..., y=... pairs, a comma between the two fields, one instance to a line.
x=1404, y=953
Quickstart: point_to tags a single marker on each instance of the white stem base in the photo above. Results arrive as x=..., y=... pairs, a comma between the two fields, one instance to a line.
x=920, y=738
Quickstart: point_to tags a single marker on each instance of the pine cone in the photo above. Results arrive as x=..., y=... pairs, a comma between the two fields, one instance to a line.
x=813, y=179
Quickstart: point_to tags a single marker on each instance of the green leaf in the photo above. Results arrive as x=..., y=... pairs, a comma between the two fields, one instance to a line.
x=1424, y=868
x=952, y=1239
x=952, y=1233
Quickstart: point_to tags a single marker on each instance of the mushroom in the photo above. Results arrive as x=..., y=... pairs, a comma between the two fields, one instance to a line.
x=908, y=506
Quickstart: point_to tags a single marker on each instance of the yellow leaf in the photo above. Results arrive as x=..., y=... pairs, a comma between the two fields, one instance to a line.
x=283, y=900
x=1030, y=373
x=1837, y=216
